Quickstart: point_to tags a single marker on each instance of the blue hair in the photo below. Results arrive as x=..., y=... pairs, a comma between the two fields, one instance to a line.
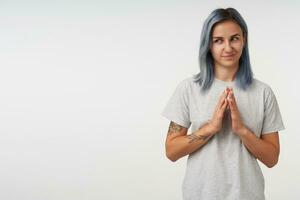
x=205, y=77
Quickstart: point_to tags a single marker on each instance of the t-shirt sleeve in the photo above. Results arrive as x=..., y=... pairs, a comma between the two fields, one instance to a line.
x=272, y=117
x=177, y=108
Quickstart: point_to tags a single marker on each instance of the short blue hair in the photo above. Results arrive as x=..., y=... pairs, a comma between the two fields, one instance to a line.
x=205, y=77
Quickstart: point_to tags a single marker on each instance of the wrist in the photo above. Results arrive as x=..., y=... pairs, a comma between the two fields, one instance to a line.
x=243, y=131
x=209, y=128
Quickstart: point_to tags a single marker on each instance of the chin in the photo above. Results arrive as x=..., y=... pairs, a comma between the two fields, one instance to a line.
x=228, y=64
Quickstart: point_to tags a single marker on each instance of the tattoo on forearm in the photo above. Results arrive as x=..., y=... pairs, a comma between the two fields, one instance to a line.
x=173, y=128
x=194, y=138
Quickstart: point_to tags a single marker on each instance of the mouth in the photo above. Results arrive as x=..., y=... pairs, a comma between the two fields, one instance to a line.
x=229, y=56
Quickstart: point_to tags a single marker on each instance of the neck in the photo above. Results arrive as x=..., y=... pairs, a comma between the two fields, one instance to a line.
x=226, y=74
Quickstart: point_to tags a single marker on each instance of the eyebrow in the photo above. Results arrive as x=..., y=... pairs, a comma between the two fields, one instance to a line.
x=231, y=36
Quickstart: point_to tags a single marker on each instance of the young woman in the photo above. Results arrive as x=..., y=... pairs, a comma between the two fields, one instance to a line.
x=234, y=118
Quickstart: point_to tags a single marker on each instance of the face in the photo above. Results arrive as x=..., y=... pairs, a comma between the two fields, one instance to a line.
x=227, y=44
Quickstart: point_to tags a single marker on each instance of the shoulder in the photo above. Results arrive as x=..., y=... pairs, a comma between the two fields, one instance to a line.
x=262, y=88
x=186, y=83
x=186, y=87
x=189, y=81
x=260, y=85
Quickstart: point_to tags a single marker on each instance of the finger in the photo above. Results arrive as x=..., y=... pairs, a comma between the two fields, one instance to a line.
x=232, y=111
x=232, y=103
x=228, y=88
x=232, y=96
x=222, y=97
x=224, y=94
x=222, y=102
x=234, y=114
x=224, y=105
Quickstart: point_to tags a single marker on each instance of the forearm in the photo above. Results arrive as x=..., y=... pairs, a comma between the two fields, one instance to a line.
x=262, y=150
x=184, y=145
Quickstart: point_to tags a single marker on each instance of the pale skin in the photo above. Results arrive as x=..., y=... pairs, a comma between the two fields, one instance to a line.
x=227, y=39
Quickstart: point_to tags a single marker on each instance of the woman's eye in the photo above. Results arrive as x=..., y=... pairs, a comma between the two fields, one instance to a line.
x=220, y=41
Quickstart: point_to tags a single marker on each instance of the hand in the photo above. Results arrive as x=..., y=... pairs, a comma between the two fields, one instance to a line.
x=236, y=122
x=215, y=124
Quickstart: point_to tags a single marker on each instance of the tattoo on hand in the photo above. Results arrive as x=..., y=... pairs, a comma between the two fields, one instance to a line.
x=173, y=128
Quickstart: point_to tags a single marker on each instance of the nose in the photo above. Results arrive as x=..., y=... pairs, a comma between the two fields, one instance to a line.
x=228, y=47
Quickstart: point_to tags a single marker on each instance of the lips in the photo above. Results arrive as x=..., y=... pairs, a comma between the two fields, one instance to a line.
x=229, y=56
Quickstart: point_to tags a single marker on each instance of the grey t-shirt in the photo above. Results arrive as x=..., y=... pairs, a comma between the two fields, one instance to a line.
x=223, y=169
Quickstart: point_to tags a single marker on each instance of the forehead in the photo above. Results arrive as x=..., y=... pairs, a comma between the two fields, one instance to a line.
x=226, y=28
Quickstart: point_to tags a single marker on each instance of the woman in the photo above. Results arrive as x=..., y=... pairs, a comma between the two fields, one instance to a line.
x=234, y=118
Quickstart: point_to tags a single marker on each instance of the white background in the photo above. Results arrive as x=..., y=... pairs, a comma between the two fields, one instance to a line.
x=82, y=85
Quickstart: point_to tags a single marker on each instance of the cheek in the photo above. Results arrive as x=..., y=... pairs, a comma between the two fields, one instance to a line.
x=240, y=50
x=216, y=52
x=239, y=46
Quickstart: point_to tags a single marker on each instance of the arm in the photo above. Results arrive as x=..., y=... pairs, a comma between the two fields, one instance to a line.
x=178, y=143
x=265, y=149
